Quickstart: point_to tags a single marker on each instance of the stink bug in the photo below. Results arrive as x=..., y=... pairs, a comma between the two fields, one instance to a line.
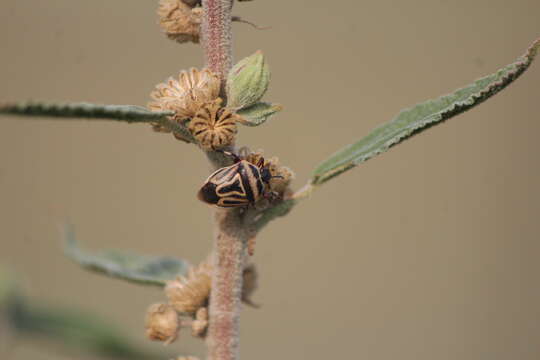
x=238, y=185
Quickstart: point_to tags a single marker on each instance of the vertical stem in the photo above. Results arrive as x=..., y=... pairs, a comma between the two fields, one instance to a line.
x=230, y=240
x=217, y=36
x=225, y=297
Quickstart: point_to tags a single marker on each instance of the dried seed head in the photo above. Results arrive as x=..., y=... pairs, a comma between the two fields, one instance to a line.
x=214, y=127
x=200, y=324
x=187, y=94
x=162, y=323
x=250, y=284
x=179, y=20
x=188, y=294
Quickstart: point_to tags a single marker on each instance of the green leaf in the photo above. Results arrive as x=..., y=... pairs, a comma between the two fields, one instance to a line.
x=258, y=113
x=147, y=270
x=127, y=113
x=87, y=111
x=421, y=117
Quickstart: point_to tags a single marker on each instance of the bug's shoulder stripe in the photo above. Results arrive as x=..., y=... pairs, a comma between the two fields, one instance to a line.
x=256, y=181
x=247, y=175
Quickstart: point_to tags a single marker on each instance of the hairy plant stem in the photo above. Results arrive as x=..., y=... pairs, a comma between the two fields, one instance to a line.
x=230, y=246
x=230, y=238
x=217, y=37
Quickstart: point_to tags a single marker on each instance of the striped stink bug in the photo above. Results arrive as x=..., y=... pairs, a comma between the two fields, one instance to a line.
x=238, y=185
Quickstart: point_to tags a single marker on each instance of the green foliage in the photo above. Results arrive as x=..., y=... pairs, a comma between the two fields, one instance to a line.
x=68, y=330
x=258, y=113
x=127, y=113
x=247, y=81
x=422, y=116
x=146, y=270
x=87, y=111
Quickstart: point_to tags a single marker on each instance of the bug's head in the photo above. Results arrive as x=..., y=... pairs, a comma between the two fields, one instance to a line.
x=266, y=175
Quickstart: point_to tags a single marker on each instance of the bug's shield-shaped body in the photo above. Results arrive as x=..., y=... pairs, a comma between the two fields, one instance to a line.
x=233, y=186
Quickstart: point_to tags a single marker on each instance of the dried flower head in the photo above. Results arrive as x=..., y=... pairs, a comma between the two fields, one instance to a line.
x=162, y=323
x=214, y=126
x=188, y=294
x=180, y=20
x=187, y=94
x=200, y=324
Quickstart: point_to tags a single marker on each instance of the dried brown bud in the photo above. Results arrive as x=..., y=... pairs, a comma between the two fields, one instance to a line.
x=179, y=20
x=188, y=294
x=214, y=127
x=162, y=323
x=282, y=176
x=250, y=284
x=187, y=94
x=200, y=324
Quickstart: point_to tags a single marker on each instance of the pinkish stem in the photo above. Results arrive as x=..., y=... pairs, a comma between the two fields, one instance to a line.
x=217, y=36
x=230, y=238
x=225, y=298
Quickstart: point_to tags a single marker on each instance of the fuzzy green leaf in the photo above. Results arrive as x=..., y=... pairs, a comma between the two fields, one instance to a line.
x=146, y=270
x=421, y=117
x=87, y=111
x=258, y=113
x=127, y=113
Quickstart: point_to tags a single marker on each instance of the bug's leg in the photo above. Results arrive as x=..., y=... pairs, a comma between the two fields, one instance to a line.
x=271, y=196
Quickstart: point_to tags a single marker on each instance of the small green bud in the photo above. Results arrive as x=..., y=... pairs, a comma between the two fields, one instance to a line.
x=247, y=81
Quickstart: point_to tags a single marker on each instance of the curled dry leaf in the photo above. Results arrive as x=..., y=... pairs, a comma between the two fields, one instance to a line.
x=188, y=294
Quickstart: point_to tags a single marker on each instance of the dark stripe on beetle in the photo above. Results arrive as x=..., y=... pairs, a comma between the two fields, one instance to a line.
x=260, y=186
x=245, y=175
x=233, y=187
x=256, y=181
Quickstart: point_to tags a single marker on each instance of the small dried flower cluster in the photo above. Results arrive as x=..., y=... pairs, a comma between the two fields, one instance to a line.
x=162, y=323
x=193, y=98
x=188, y=297
x=281, y=175
x=180, y=20
x=187, y=94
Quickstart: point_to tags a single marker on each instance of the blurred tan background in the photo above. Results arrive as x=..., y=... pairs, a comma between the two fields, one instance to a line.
x=429, y=251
